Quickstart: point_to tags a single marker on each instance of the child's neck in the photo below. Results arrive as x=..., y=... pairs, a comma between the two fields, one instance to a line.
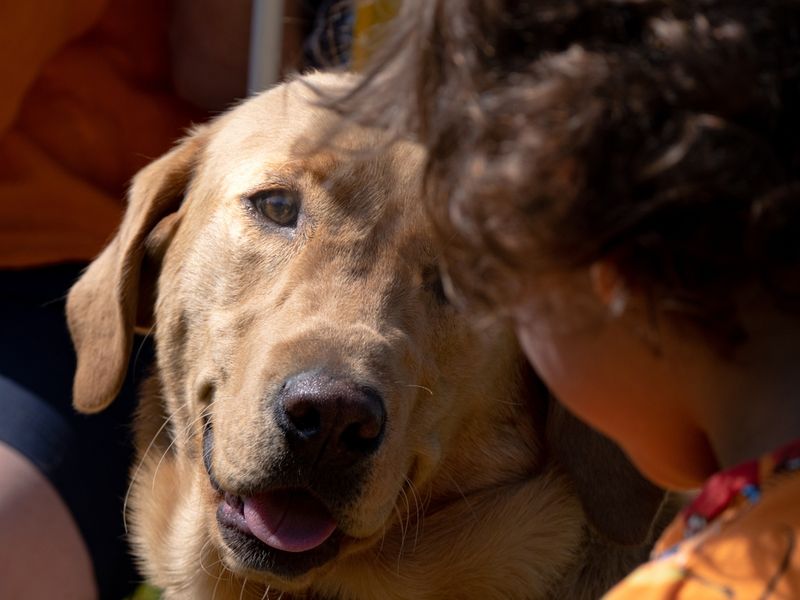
x=754, y=403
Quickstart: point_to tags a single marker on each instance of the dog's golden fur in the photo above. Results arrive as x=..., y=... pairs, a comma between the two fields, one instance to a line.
x=480, y=487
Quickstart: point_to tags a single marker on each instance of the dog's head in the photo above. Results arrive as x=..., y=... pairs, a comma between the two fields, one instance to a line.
x=310, y=367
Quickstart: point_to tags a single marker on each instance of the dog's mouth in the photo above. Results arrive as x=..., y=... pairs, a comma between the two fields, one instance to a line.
x=286, y=520
x=286, y=532
x=285, y=529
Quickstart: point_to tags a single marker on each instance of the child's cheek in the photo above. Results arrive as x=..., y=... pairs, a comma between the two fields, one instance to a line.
x=558, y=367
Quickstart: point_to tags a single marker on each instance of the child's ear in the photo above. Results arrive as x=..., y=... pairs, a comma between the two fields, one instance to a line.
x=609, y=287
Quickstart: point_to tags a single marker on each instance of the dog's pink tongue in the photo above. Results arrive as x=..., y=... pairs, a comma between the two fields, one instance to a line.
x=293, y=521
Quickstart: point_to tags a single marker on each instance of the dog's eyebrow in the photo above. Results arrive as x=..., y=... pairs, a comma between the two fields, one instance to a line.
x=319, y=166
x=271, y=182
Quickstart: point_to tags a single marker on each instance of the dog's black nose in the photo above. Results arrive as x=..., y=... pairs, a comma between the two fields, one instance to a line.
x=329, y=421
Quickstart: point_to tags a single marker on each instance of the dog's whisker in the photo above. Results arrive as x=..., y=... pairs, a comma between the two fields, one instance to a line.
x=420, y=512
x=417, y=509
x=408, y=511
x=513, y=403
x=138, y=468
x=402, y=539
x=200, y=417
x=203, y=549
x=204, y=567
x=161, y=460
x=216, y=586
x=205, y=412
x=408, y=507
x=414, y=385
x=383, y=540
x=228, y=579
x=225, y=571
x=400, y=522
x=216, y=563
x=145, y=337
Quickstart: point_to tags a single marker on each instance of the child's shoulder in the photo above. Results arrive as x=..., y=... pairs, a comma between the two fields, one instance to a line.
x=738, y=539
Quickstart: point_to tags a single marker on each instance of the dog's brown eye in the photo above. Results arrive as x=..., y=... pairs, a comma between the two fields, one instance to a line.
x=279, y=206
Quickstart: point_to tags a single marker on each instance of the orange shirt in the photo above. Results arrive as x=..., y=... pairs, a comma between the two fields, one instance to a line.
x=740, y=539
x=86, y=101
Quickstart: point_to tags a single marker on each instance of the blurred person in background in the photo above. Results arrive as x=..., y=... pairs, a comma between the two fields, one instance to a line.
x=92, y=91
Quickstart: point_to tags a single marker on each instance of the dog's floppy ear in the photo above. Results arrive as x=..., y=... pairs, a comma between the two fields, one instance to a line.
x=618, y=501
x=103, y=307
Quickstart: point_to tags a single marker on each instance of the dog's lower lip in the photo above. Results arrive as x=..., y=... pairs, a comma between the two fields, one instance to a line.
x=235, y=502
x=230, y=513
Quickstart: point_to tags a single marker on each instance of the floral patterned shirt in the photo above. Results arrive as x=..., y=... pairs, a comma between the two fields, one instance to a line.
x=737, y=540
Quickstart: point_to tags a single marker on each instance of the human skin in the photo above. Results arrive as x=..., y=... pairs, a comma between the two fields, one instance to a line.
x=39, y=536
x=679, y=407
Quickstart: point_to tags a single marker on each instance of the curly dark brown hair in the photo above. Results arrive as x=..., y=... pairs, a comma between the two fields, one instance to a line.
x=663, y=135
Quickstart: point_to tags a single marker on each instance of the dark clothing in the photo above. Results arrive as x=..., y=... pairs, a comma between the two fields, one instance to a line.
x=87, y=458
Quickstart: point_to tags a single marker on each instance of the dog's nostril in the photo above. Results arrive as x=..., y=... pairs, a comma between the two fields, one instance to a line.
x=305, y=417
x=360, y=437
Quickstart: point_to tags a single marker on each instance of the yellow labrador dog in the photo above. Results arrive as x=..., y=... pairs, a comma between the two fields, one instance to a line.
x=321, y=423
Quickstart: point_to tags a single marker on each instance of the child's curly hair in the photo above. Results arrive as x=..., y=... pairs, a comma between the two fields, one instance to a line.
x=663, y=135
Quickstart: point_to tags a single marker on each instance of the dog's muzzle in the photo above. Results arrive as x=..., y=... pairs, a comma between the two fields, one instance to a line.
x=286, y=526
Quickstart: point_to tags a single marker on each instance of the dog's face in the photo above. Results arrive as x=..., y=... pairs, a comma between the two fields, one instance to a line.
x=314, y=391
x=312, y=368
x=302, y=328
